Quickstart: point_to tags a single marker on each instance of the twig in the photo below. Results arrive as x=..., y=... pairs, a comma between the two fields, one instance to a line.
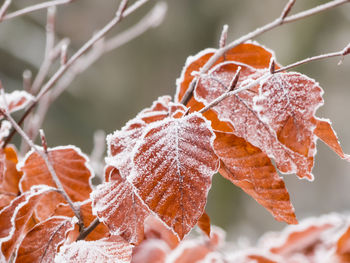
x=4, y=8
x=86, y=231
x=223, y=37
x=59, y=73
x=225, y=95
x=27, y=80
x=151, y=20
x=281, y=20
x=96, y=156
x=34, y=8
x=52, y=171
x=278, y=22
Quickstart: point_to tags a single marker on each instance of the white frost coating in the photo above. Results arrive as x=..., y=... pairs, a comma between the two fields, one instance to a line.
x=276, y=239
x=21, y=163
x=169, y=150
x=101, y=251
x=16, y=100
x=5, y=129
x=34, y=191
x=188, y=62
x=239, y=110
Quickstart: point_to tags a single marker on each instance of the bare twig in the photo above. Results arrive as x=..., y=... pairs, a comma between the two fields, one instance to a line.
x=27, y=80
x=52, y=171
x=63, y=68
x=225, y=95
x=281, y=20
x=287, y=9
x=4, y=8
x=223, y=37
x=86, y=231
x=96, y=156
x=234, y=80
x=278, y=22
x=34, y=8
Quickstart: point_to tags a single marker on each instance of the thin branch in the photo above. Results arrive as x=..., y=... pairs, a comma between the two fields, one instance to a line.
x=223, y=36
x=59, y=73
x=4, y=8
x=86, y=231
x=281, y=20
x=34, y=8
x=45, y=157
x=225, y=95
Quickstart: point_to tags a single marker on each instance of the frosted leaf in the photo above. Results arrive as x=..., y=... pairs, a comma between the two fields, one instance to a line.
x=114, y=249
x=121, y=144
x=9, y=176
x=243, y=114
x=16, y=219
x=150, y=251
x=250, y=169
x=174, y=163
x=197, y=250
x=41, y=243
x=71, y=167
x=116, y=205
x=15, y=101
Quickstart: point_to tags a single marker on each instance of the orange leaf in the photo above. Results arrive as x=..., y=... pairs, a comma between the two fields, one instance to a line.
x=113, y=249
x=16, y=219
x=42, y=242
x=71, y=167
x=204, y=223
x=116, y=204
x=325, y=132
x=173, y=166
x=16, y=100
x=343, y=246
x=9, y=176
x=250, y=169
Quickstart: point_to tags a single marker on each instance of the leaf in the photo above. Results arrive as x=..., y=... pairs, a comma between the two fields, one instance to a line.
x=325, y=132
x=199, y=249
x=343, y=246
x=116, y=205
x=173, y=166
x=250, y=169
x=9, y=176
x=156, y=229
x=204, y=223
x=114, y=249
x=5, y=129
x=16, y=219
x=71, y=167
x=42, y=242
x=16, y=100
x=101, y=231
x=150, y=251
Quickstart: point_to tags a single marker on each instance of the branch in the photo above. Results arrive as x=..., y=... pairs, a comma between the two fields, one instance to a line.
x=33, y=8
x=86, y=231
x=278, y=22
x=281, y=20
x=342, y=53
x=45, y=157
x=120, y=14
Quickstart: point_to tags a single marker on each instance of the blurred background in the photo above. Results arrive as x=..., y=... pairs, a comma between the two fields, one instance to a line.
x=128, y=79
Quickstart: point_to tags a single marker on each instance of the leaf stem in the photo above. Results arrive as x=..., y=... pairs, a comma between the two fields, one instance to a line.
x=86, y=231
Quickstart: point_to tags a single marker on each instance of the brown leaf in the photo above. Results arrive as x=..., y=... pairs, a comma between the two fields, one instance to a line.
x=250, y=169
x=17, y=219
x=42, y=242
x=116, y=205
x=9, y=176
x=174, y=163
x=71, y=167
x=113, y=249
x=204, y=223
